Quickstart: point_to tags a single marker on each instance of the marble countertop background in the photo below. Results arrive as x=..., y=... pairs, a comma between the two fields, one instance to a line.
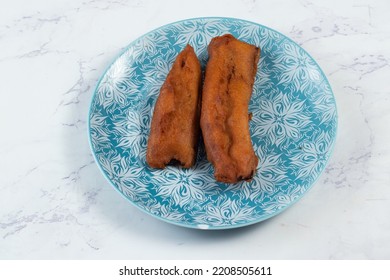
x=54, y=202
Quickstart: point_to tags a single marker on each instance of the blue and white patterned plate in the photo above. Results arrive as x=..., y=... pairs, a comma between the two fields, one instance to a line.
x=293, y=128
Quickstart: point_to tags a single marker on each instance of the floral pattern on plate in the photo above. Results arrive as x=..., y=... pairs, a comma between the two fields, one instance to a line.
x=293, y=128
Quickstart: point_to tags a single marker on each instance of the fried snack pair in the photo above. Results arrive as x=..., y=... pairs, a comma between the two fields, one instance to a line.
x=227, y=89
x=224, y=117
x=174, y=132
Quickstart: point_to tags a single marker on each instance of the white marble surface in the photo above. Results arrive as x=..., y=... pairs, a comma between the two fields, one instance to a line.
x=54, y=202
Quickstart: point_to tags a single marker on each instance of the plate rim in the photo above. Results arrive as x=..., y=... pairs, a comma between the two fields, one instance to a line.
x=192, y=225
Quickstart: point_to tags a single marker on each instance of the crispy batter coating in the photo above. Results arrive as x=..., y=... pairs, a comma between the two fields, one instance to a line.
x=230, y=75
x=174, y=130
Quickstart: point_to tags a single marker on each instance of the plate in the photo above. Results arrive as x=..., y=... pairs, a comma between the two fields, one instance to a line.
x=293, y=128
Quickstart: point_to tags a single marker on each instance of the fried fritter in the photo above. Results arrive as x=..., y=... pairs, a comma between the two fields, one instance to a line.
x=230, y=75
x=174, y=130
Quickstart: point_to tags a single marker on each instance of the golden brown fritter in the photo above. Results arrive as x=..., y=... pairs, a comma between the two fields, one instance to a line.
x=230, y=75
x=174, y=130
